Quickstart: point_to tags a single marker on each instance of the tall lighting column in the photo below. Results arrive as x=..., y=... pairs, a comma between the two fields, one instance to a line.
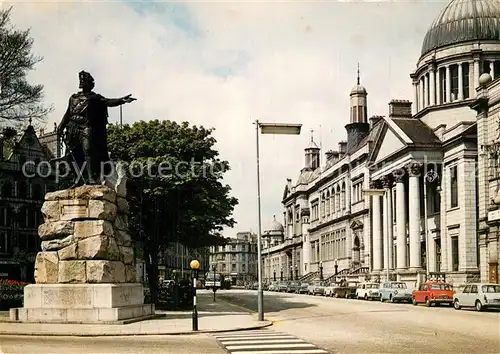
x=266, y=128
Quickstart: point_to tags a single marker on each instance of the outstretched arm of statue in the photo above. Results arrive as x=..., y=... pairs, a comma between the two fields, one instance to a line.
x=113, y=102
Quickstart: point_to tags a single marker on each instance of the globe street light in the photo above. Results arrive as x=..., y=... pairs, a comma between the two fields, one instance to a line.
x=321, y=270
x=195, y=265
x=266, y=128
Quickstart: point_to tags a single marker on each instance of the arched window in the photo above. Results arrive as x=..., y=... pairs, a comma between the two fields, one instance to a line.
x=337, y=199
x=343, y=198
x=327, y=205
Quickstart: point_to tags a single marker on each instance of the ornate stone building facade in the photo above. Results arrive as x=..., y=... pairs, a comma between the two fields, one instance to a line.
x=402, y=197
x=22, y=190
x=237, y=259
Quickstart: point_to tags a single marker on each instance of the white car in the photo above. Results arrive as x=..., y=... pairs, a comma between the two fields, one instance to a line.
x=480, y=296
x=368, y=291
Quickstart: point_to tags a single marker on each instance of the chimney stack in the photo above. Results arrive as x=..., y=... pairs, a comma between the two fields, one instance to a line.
x=343, y=148
x=331, y=155
x=400, y=109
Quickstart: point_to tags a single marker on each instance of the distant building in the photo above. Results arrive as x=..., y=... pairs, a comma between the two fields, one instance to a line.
x=176, y=258
x=236, y=260
x=22, y=193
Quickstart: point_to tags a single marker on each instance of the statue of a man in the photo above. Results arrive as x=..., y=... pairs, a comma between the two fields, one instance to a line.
x=85, y=123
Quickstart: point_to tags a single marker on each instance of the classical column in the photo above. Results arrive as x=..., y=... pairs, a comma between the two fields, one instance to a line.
x=400, y=218
x=415, y=97
x=439, y=98
x=448, y=84
x=460, y=82
x=492, y=69
x=472, y=89
x=432, y=83
x=421, y=100
x=426, y=89
x=387, y=183
x=414, y=171
x=377, y=229
x=476, y=74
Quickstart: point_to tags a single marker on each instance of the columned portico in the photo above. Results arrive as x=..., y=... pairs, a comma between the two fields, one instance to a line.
x=400, y=218
x=414, y=171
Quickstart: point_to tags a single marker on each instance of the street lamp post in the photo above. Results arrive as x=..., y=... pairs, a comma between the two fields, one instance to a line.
x=336, y=265
x=266, y=128
x=274, y=275
x=214, y=268
x=281, y=275
x=296, y=272
x=321, y=270
x=429, y=177
x=195, y=265
x=291, y=272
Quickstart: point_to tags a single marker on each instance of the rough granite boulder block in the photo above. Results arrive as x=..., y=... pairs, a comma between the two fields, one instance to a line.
x=121, y=222
x=51, y=211
x=102, y=210
x=130, y=274
x=53, y=230
x=87, y=192
x=68, y=253
x=89, y=228
x=126, y=254
x=72, y=272
x=105, y=271
x=98, y=247
x=46, y=267
x=57, y=244
x=123, y=238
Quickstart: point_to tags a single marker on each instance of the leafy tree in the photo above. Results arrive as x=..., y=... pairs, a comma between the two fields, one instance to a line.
x=178, y=196
x=19, y=100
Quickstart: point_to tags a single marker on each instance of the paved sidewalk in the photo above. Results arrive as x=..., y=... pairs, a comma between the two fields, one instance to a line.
x=220, y=316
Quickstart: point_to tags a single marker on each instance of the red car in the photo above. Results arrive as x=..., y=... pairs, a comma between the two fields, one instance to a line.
x=433, y=292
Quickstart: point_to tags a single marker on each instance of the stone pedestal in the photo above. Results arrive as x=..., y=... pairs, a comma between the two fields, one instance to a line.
x=85, y=272
x=82, y=303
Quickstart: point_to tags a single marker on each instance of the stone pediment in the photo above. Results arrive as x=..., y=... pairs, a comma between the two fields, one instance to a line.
x=387, y=143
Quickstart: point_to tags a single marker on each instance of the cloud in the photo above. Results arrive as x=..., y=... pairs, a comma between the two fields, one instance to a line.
x=223, y=65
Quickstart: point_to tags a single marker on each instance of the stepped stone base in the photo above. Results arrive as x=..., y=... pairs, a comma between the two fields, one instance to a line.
x=82, y=303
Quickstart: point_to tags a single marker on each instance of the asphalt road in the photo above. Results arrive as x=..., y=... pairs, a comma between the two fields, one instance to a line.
x=358, y=326
x=190, y=344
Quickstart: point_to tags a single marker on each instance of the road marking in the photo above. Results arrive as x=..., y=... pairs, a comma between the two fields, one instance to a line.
x=266, y=342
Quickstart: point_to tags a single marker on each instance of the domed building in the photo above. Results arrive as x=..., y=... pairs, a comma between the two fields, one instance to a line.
x=401, y=198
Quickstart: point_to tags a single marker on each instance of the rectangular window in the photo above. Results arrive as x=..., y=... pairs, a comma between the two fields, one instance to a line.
x=466, y=81
x=453, y=187
x=454, y=254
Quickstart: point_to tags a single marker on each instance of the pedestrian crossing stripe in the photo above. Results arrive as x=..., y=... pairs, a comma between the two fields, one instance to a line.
x=265, y=342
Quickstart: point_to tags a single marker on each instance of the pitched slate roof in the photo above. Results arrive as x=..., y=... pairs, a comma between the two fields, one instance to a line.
x=417, y=131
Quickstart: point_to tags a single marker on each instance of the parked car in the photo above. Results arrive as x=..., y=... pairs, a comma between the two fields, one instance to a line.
x=331, y=289
x=302, y=289
x=480, y=296
x=433, y=293
x=292, y=287
x=316, y=288
x=283, y=286
x=368, y=291
x=395, y=291
x=273, y=286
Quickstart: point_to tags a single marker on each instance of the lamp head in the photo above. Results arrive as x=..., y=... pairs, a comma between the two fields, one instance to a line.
x=195, y=265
